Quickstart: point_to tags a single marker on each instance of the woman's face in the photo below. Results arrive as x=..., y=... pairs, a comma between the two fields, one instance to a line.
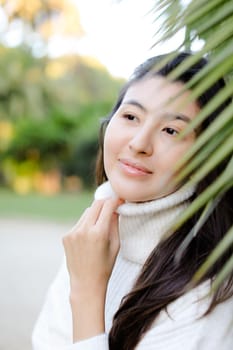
x=140, y=146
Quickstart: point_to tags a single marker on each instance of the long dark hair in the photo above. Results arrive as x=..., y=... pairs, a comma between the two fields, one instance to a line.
x=163, y=279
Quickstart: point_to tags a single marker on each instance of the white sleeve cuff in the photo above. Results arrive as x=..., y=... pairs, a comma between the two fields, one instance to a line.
x=99, y=342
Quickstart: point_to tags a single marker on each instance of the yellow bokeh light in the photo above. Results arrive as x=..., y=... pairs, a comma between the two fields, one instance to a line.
x=55, y=69
x=6, y=133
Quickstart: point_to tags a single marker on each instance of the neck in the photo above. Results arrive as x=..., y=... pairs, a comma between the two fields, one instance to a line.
x=143, y=225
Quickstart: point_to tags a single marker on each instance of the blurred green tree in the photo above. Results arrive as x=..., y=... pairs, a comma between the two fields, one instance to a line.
x=54, y=106
x=51, y=106
x=36, y=19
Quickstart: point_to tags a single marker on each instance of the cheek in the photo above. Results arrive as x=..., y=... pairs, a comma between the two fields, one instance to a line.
x=179, y=156
x=109, y=140
x=113, y=139
x=110, y=148
x=173, y=155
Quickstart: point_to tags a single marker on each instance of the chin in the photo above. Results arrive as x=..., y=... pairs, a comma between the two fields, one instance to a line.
x=130, y=192
x=132, y=197
x=128, y=197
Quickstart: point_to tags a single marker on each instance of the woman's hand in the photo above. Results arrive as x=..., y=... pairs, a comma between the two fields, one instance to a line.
x=91, y=249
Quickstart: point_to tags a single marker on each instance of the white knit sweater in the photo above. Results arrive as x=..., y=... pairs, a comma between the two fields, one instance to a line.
x=141, y=228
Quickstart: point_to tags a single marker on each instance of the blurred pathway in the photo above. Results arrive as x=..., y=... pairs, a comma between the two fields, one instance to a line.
x=30, y=255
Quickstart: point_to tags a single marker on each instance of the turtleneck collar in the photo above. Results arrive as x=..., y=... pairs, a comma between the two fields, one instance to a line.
x=142, y=225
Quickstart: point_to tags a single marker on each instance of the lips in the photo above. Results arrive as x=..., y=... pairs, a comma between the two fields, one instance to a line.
x=134, y=166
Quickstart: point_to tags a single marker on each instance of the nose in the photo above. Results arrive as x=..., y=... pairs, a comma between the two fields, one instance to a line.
x=142, y=141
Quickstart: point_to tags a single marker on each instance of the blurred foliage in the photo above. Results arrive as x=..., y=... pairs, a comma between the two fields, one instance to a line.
x=49, y=119
x=45, y=18
x=31, y=86
x=49, y=108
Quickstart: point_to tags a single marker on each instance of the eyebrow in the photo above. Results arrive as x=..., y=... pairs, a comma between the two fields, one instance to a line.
x=169, y=116
x=179, y=116
x=135, y=103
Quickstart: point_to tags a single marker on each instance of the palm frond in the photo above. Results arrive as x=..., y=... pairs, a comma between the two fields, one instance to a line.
x=210, y=21
x=217, y=188
x=214, y=256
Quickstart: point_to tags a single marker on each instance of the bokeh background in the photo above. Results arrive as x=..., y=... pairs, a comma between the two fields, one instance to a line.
x=62, y=63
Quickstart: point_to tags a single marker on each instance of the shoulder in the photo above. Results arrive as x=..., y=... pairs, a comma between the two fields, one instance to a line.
x=218, y=327
x=183, y=324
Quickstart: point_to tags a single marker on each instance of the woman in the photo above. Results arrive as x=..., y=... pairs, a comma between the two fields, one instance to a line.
x=124, y=289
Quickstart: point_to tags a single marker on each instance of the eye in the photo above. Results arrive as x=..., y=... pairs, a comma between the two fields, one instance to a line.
x=130, y=117
x=170, y=131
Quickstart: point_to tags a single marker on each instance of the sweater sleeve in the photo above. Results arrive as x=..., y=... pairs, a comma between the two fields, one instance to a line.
x=100, y=342
x=180, y=327
x=53, y=329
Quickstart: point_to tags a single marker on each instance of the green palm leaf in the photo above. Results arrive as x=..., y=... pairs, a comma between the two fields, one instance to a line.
x=219, y=250
x=210, y=21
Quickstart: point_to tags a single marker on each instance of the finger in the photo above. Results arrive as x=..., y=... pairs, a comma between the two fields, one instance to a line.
x=106, y=216
x=114, y=233
x=89, y=216
x=79, y=222
x=94, y=212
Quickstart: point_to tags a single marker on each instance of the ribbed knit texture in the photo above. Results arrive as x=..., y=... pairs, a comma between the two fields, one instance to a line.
x=142, y=226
